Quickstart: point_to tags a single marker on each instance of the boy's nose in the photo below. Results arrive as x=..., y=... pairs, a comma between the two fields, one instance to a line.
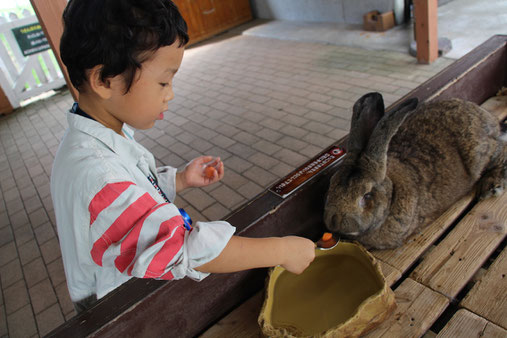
x=169, y=96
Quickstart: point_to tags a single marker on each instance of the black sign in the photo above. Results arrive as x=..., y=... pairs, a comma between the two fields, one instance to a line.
x=301, y=175
x=31, y=39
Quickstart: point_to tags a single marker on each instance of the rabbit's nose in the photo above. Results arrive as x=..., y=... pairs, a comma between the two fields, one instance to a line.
x=335, y=221
x=332, y=222
x=328, y=218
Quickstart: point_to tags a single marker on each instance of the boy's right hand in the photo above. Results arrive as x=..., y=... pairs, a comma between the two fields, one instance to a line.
x=298, y=253
x=194, y=173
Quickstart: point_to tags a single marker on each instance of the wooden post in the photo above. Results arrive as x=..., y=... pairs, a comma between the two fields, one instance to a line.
x=49, y=13
x=426, y=33
x=5, y=105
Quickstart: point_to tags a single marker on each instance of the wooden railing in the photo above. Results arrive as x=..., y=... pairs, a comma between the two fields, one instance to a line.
x=27, y=70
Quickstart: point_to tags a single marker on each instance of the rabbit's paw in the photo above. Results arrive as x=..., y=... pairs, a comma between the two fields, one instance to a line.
x=380, y=241
x=490, y=186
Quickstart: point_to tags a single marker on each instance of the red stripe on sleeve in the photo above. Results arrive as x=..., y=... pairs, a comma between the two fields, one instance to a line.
x=121, y=226
x=170, y=248
x=168, y=276
x=167, y=227
x=129, y=243
x=105, y=197
x=129, y=271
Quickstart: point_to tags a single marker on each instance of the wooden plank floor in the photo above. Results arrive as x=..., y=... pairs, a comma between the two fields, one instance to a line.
x=417, y=308
x=492, y=285
x=242, y=322
x=467, y=236
x=451, y=264
x=466, y=324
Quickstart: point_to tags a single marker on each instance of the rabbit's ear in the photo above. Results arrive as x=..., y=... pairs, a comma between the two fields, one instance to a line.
x=367, y=111
x=376, y=152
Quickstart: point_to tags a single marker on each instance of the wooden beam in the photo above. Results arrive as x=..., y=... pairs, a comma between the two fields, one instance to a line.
x=426, y=32
x=49, y=13
x=5, y=105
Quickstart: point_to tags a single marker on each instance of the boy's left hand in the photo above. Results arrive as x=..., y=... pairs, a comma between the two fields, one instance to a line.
x=196, y=173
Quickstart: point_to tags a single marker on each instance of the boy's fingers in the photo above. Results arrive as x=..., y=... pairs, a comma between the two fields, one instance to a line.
x=220, y=169
x=214, y=162
x=205, y=159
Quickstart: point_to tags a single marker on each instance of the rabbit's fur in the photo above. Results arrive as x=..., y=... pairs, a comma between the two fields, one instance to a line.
x=404, y=168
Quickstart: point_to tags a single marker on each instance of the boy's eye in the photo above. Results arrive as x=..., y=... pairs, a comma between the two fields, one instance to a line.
x=164, y=84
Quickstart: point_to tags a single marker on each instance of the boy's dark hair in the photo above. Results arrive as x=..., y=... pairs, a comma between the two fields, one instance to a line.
x=118, y=34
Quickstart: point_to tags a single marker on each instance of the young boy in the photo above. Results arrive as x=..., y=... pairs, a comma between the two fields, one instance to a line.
x=113, y=207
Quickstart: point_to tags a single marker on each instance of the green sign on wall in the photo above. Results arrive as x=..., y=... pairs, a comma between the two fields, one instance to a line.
x=31, y=39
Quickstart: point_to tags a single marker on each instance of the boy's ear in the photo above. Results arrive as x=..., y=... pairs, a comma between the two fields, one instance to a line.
x=100, y=87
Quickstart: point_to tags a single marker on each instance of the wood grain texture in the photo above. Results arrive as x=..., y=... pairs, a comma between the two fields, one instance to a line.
x=206, y=18
x=451, y=264
x=467, y=324
x=418, y=308
x=391, y=274
x=5, y=105
x=488, y=297
x=426, y=22
x=242, y=322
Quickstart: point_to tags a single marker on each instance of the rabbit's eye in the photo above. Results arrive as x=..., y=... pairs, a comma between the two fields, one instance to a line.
x=365, y=199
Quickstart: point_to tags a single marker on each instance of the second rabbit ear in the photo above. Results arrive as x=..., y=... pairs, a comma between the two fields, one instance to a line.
x=367, y=111
x=388, y=126
x=375, y=154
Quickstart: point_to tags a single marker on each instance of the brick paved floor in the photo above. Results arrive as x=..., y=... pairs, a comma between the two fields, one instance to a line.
x=264, y=106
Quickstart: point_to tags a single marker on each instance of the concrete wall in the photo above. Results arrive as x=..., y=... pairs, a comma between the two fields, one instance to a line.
x=347, y=11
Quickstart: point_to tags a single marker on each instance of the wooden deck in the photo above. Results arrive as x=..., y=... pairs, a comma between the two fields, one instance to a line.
x=449, y=281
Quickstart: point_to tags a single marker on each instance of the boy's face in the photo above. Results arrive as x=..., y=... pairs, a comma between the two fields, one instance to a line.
x=151, y=89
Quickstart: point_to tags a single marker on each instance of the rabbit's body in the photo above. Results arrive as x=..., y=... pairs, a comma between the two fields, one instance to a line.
x=437, y=154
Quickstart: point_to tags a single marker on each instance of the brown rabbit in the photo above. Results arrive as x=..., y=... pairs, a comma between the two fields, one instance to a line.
x=407, y=166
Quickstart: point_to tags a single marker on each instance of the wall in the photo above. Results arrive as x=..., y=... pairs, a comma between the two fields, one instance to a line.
x=346, y=11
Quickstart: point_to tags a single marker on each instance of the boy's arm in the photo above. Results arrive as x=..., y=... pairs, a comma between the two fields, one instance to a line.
x=180, y=182
x=140, y=237
x=242, y=253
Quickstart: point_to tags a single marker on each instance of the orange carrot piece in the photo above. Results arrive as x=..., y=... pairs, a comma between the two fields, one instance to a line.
x=209, y=172
x=327, y=236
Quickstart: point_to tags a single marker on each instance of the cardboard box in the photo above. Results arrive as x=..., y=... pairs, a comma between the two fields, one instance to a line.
x=378, y=22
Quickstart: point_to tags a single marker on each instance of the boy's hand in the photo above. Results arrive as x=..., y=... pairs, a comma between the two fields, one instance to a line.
x=197, y=174
x=298, y=253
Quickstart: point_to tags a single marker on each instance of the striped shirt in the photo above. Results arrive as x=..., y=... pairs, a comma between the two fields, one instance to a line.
x=112, y=223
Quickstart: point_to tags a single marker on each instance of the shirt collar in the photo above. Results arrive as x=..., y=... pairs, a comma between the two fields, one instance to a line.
x=126, y=147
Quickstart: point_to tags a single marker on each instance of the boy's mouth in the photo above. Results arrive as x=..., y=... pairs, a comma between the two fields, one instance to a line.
x=161, y=116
